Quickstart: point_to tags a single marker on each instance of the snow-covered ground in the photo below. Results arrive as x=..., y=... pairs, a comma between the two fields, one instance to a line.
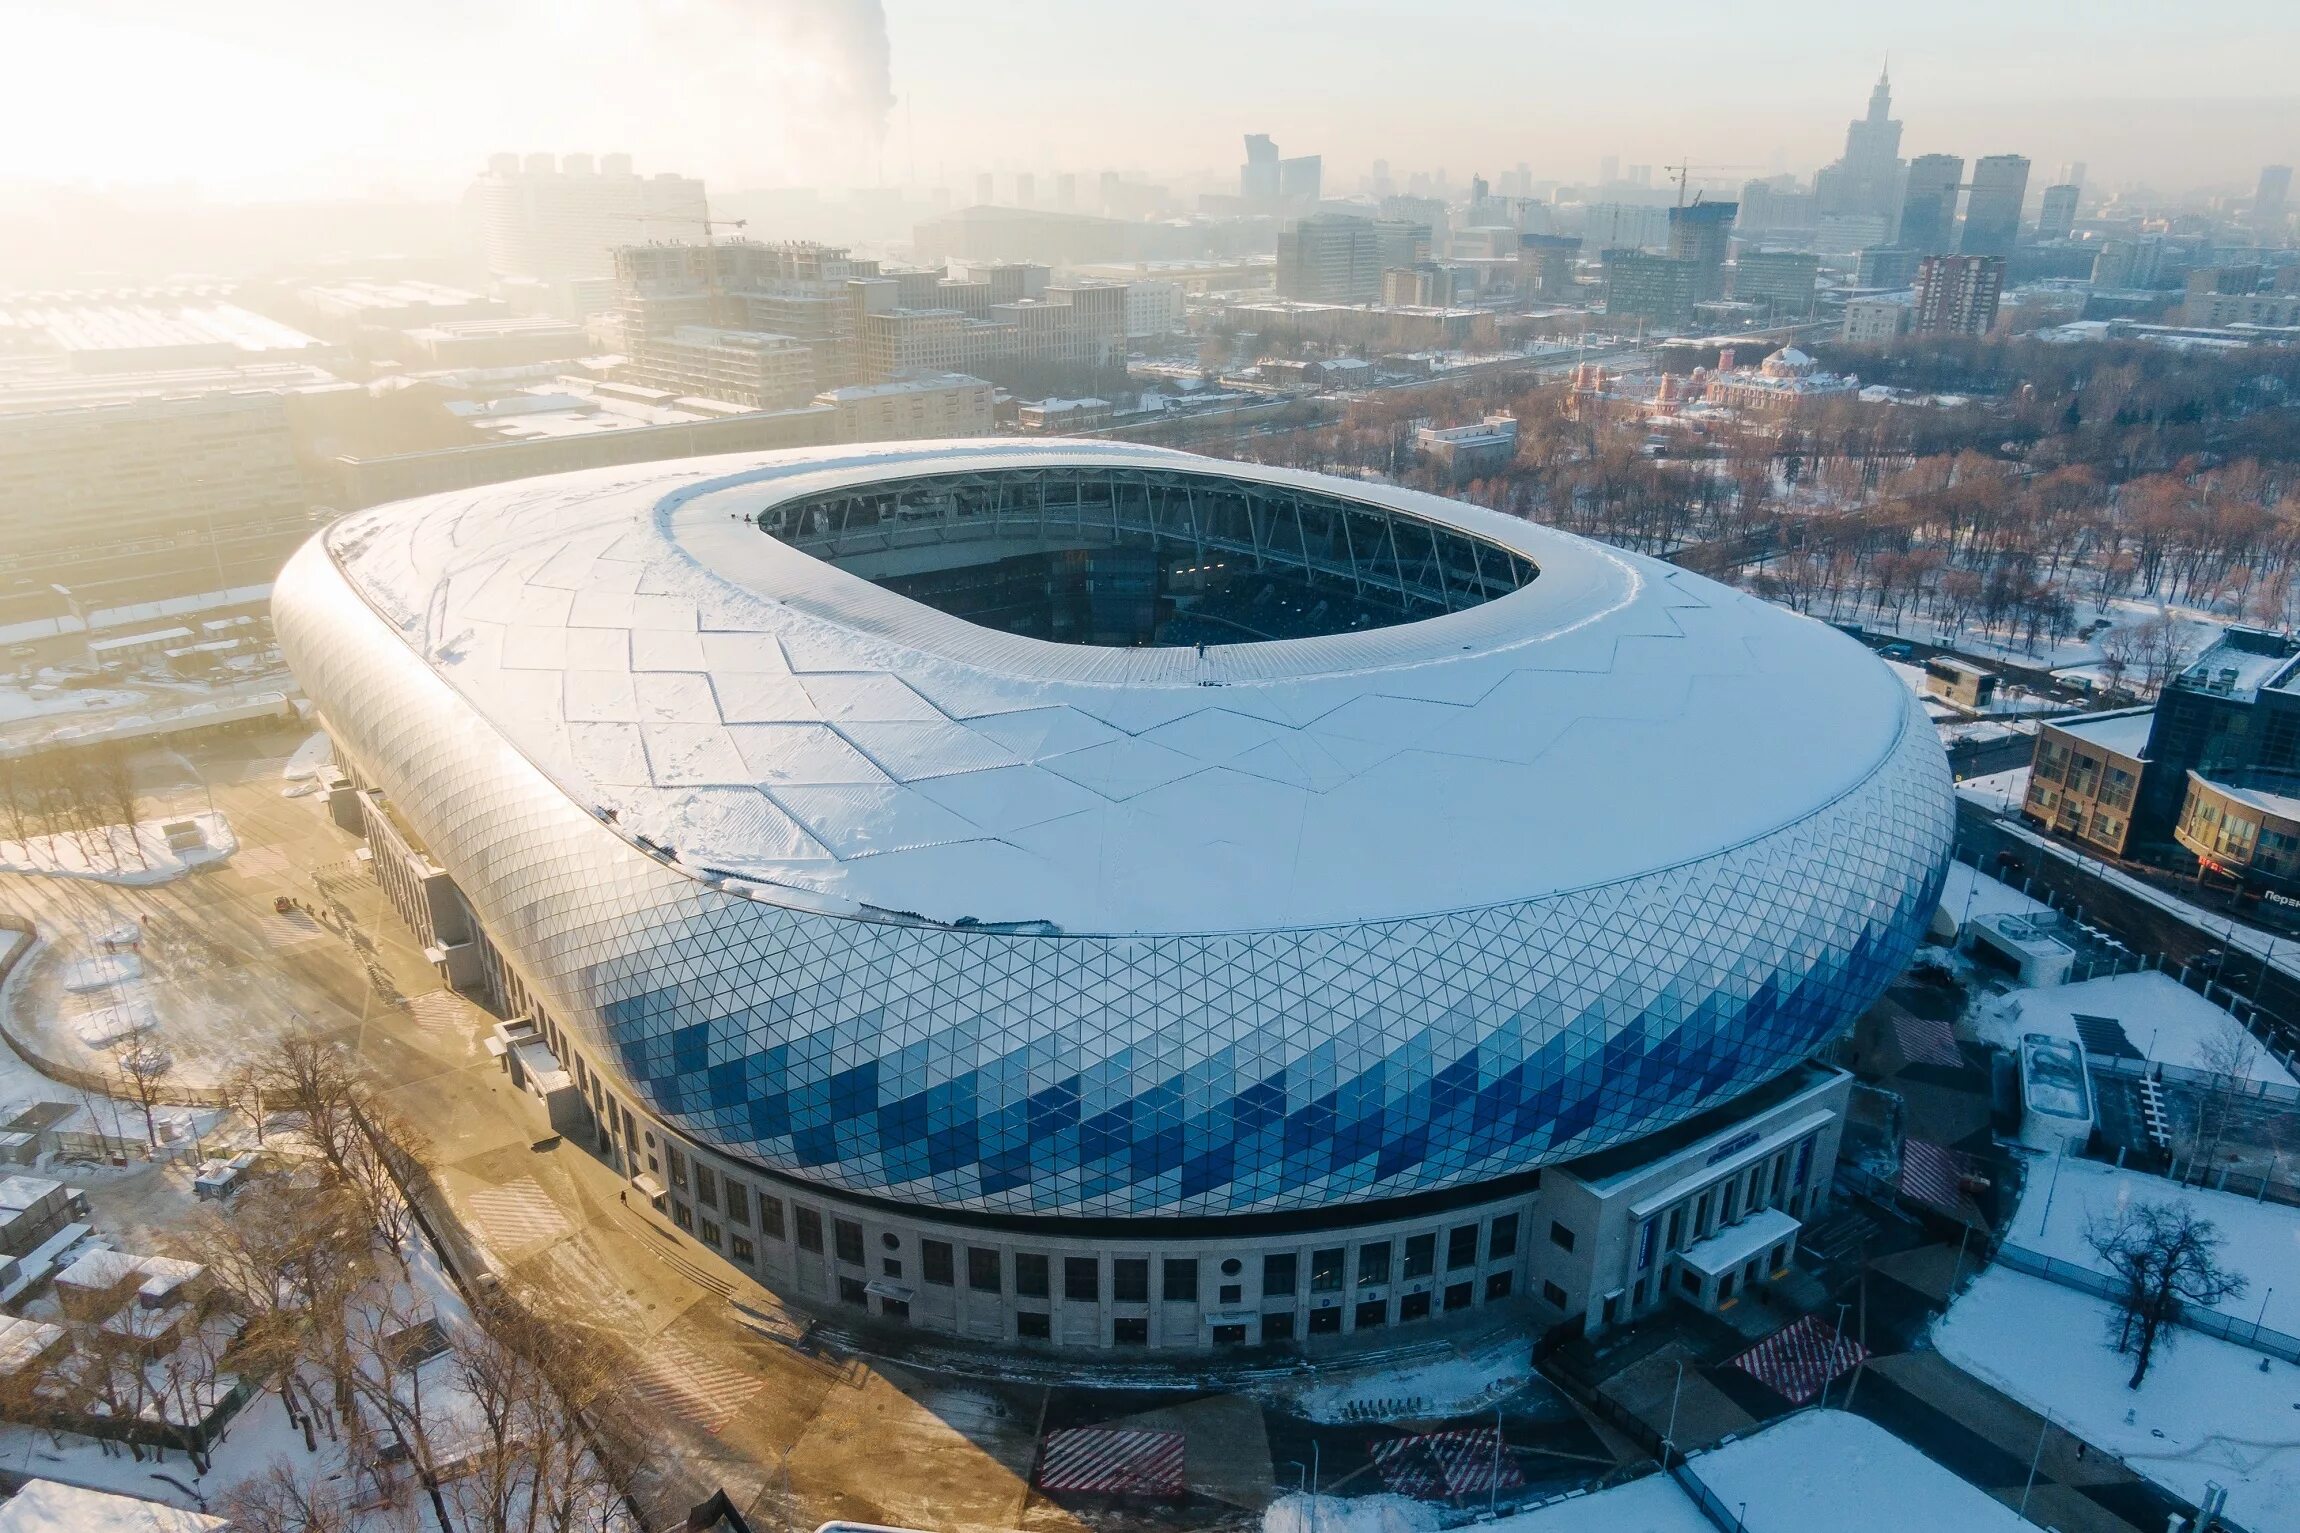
x=1970, y=894
x=1350, y=1514
x=1654, y=1504
x=1998, y=792
x=1448, y=1386
x=2164, y=1019
x=121, y=854
x=1827, y=1469
x=309, y=757
x=2208, y=1411
x=1816, y=1472
x=2262, y=1239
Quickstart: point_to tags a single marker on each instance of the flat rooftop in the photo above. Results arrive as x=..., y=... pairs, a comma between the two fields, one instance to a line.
x=2124, y=732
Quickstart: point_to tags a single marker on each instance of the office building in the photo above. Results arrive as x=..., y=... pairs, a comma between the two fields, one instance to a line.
x=1700, y=235
x=2056, y=220
x=1993, y=205
x=1340, y=1054
x=1957, y=295
x=557, y=220
x=1259, y=177
x=1784, y=281
x=1929, y=204
x=1877, y=321
x=1648, y=293
x=1329, y=258
x=1300, y=180
x=754, y=368
x=1863, y=179
x=1545, y=266
x=2220, y=296
x=920, y=408
x=2272, y=196
x=1776, y=203
x=2085, y=778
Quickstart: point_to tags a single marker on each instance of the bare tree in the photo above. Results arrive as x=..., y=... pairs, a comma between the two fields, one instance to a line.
x=283, y=1501
x=144, y=1067
x=2164, y=1257
x=111, y=783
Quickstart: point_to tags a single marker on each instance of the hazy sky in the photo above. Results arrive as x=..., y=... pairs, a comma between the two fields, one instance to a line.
x=272, y=98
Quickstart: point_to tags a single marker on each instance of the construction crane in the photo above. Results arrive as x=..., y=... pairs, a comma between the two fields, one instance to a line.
x=1681, y=173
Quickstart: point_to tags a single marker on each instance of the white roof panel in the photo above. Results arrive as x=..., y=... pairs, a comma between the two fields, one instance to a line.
x=1611, y=717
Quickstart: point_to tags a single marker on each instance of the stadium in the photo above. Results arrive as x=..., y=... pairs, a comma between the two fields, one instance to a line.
x=1100, y=896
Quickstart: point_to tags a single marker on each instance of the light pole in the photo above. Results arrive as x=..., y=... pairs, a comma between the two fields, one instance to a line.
x=2034, y=1460
x=1493, y=1487
x=2045, y=1222
x=2263, y=1315
x=1669, y=1438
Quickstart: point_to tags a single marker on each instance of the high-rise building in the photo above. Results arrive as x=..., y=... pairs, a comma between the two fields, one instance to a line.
x=1545, y=265
x=1929, y=203
x=1864, y=176
x=1776, y=202
x=2057, y=220
x=2273, y=193
x=983, y=194
x=1992, y=210
x=561, y=220
x=1025, y=190
x=1647, y=292
x=1300, y=180
x=1329, y=258
x=1957, y=295
x=1401, y=242
x=1609, y=170
x=1783, y=280
x=1700, y=235
x=1258, y=177
x=1066, y=190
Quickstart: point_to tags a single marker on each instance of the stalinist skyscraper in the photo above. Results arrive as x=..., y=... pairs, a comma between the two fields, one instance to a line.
x=1865, y=178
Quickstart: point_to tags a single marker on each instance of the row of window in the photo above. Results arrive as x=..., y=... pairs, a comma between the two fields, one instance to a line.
x=1775, y=1182
x=1276, y=1326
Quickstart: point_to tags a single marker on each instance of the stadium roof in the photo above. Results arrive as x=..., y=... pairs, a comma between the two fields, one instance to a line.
x=790, y=730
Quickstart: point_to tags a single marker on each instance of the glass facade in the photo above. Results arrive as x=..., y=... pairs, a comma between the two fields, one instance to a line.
x=1023, y=1072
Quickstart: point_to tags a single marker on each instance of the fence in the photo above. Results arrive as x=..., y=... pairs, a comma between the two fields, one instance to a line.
x=2205, y=1322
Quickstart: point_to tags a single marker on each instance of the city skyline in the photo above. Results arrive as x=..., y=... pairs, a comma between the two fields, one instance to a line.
x=845, y=95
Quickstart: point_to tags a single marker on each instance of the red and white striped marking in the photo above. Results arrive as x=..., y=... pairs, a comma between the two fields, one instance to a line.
x=679, y=1379
x=1927, y=1041
x=1934, y=1175
x=1442, y=1464
x=1798, y=1361
x=1112, y=1459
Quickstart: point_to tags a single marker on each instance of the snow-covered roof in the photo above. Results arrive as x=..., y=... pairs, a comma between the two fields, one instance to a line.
x=2125, y=732
x=755, y=715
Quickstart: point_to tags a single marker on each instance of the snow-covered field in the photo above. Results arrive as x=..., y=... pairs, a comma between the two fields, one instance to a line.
x=1970, y=894
x=2263, y=1239
x=1998, y=792
x=1826, y=1469
x=121, y=854
x=1446, y=1386
x=1816, y=1472
x=1651, y=1505
x=2165, y=1020
x=2209, y=1411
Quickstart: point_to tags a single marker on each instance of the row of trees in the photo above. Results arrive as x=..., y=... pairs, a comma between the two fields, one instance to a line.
x=2085, y=476
x=76, y=795
x=500, y=1415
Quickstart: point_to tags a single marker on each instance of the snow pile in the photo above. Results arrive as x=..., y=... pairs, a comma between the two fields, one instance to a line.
x=121, y=854
x=309, y=757
x=1298, y=1513
x=101, y=972
x=1826, y=1469
x=2165, y=1020
x=1448, y=1386
x=102, y=1023
x=2207, y=1412
x=2262, y=1240
x=1651, y=1505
